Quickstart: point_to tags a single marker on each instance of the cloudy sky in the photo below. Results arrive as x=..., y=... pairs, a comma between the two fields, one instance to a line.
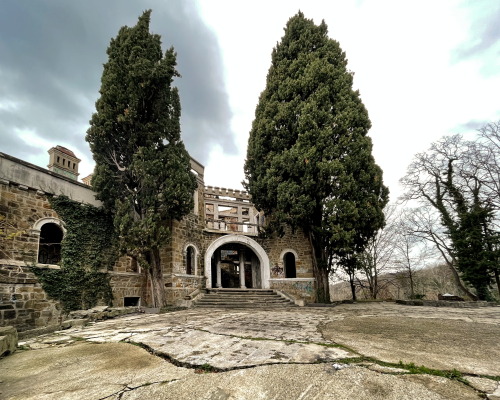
x=424, y=69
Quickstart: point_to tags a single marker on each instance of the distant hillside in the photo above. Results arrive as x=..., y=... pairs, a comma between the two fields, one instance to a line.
x=429, y=282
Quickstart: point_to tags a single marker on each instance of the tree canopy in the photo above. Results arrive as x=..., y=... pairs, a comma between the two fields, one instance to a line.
x=142, y=168
x=309, y=160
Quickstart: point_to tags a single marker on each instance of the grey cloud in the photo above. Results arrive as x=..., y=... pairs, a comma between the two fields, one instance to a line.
x=470, y=126
x=484, y=37
x=51, y=64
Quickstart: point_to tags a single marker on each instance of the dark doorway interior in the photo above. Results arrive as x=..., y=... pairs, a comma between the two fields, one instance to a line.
x=290, y=270
x=229, y=257
x=49, y=250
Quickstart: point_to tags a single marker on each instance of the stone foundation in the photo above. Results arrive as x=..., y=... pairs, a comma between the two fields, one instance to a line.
x=128, y=284
x=23, y=302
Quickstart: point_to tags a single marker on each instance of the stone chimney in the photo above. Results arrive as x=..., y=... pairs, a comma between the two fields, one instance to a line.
x=64, y=162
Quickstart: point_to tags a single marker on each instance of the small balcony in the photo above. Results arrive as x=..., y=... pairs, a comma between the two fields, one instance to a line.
x=226, y=225
x=228, y=210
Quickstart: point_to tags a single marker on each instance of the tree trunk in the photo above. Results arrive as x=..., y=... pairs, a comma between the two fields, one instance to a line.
x=412, y=290
x=158, y=295
x=320, y=272
x=497, y=280
x=459, y=283
x=353, y=287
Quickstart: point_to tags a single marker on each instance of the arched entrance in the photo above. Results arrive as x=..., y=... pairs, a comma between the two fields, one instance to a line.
x=245, y=254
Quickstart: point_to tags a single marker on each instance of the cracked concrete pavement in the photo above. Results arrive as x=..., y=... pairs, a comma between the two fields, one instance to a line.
x=301, y=353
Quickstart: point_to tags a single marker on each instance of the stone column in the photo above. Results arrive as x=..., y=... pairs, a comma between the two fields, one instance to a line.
x=242, y=270
x=217, y=260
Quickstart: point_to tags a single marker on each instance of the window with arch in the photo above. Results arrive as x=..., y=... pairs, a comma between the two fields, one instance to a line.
x=289, y=263
x=49, y=248
x=190, y=260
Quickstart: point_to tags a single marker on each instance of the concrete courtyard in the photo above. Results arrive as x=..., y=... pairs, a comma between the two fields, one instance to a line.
x=351, y=351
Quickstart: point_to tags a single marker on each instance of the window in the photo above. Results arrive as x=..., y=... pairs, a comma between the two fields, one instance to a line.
x=131, y=301
x=49, y=250
x=190, y=260
x=289, y=261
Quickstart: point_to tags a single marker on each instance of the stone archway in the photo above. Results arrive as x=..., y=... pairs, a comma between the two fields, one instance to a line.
x=250, y=243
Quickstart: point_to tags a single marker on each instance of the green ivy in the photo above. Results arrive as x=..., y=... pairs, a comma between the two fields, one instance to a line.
x=88, y=250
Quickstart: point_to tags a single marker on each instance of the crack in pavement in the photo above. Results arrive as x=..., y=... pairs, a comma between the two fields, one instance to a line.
x=128, y=388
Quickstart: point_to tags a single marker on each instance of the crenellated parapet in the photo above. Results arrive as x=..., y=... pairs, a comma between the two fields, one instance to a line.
x=238, y=195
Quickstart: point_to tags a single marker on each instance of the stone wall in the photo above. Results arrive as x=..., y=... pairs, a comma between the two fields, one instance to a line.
x=298, y=243
x=23, y=302
x=21, y=207
x=128, y=284
x=187, y=232
x=298, y=288
x=27, y=175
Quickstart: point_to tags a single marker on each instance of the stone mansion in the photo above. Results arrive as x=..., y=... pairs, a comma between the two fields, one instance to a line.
x=216, y=246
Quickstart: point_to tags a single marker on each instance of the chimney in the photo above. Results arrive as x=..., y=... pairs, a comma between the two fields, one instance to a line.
x=64, y=162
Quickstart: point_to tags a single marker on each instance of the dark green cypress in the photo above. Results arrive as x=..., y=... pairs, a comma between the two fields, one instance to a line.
x=142, y=169
x=309, y=160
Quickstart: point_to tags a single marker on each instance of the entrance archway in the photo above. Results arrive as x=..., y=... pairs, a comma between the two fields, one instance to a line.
x=257, y=249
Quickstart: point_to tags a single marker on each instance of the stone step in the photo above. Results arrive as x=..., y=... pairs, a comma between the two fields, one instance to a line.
x=258, y=292
x=243, y=298
x=237, y=297
x=249, y=305
x=217, y=301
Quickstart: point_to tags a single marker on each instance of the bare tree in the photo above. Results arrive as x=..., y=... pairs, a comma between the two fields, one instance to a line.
x=376, y=260
x=453, y=178
x=411, y=253
x=424, y=224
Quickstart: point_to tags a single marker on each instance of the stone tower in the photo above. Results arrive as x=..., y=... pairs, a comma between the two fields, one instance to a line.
x=64, y=162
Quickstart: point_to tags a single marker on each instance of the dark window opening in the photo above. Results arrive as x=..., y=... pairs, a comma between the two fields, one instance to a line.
x=290, y=270
x=133, y=265
x=49, y=250
x=190, y=259
x=131, y=301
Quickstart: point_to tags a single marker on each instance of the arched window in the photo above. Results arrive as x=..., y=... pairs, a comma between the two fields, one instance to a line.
x=190, y=260
x=49, y=249
x=289, y=262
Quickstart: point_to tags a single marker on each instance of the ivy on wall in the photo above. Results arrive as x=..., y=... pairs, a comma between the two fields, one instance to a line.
x=88, y=250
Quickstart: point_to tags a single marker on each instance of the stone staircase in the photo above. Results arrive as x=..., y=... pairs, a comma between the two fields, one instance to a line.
x=243, y=298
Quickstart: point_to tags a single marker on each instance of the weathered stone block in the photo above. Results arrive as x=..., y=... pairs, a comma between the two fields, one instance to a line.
x=73, y=323
x=9, y=314
x=8, y=340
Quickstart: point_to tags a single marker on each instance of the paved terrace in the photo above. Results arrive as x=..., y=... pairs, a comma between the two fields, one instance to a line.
x=351, y=351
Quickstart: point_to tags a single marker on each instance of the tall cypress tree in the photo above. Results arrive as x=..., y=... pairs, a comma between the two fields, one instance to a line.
x=309, y=161
x=142, y=171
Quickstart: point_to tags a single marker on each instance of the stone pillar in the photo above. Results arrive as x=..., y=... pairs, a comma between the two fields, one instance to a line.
x=257, y=281
x=217, y=260
x=242, y=270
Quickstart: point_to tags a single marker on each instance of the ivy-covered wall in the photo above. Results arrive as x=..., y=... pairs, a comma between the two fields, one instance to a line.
x=88, y=251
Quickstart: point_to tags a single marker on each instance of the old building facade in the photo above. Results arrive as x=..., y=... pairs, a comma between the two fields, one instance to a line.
x=217, y=245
